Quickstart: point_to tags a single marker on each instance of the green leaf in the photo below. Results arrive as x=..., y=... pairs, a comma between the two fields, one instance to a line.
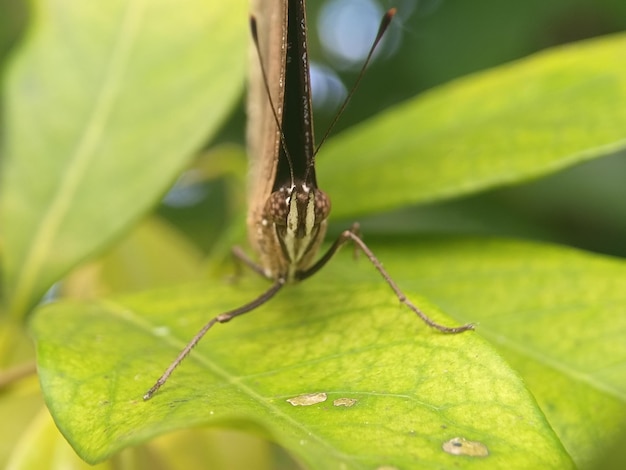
x=19, y=403
x=105, y=104
x=340, y=333
x=207, y=446
x=152, y=254
x=52, y=450
x=506, y=125
x=556, y=315
x=216, y=449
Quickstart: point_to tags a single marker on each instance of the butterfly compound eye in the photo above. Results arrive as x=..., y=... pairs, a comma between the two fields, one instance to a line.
x=322, y=206
x=277, y=209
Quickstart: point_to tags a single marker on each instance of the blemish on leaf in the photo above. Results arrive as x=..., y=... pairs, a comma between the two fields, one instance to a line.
x=344, y=402
x=462, y=446
x=308, y=399
x=386, y=467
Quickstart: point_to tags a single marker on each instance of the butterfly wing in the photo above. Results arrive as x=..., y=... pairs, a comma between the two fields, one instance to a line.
x=263, y=135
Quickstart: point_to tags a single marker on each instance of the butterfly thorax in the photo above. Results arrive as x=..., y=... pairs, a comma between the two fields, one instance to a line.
x=292, y=229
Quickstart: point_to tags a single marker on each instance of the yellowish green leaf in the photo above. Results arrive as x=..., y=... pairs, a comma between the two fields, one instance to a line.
x=508, y=124
x=105, y=103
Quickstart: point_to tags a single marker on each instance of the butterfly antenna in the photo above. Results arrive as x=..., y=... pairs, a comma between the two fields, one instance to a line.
x=384, y=24
x=255, y=38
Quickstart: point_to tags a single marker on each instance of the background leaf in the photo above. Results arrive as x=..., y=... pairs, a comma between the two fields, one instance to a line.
x=217, y=450
x=150, y=255
x=104, y=106
x=415, y=389
x=509, y=124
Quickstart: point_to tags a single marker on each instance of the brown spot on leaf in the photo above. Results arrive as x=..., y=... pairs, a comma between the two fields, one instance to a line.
x=344, y=402
x=462, y=446
x=308, y=399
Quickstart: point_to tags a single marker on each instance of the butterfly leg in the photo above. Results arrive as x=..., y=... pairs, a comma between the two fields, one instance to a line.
x=353, y=236
x=241, y=258
x=221, y=318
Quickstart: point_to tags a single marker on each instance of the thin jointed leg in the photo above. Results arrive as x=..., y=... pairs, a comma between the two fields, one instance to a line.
x=222, y=318
x=352, y=235
x=241, y=257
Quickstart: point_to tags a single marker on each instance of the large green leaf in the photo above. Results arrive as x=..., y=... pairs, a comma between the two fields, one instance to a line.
x=557, y=316
x=506, y=125
x=104, y=105
x=342, y=333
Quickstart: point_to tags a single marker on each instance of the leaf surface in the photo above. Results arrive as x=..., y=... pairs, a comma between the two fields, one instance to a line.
x=105, y=104
x=506, y=125
x=341, y=334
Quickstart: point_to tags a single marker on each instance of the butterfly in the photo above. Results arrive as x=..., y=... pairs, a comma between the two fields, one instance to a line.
x=287, y=211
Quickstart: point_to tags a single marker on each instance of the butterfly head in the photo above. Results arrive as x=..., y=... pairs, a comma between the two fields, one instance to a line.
x=297, y=211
